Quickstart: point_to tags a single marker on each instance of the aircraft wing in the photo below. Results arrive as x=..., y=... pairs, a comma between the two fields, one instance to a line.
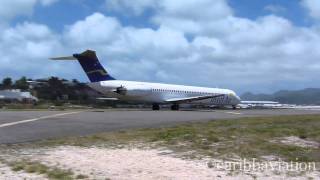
x=107, y=99
x=190, y=99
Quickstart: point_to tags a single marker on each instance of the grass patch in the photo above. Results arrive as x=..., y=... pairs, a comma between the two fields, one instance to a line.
x=81, y=176
x=38, y=168
x=245, y=137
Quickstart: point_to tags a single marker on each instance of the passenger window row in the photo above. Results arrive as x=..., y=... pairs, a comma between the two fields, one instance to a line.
x=179, y=91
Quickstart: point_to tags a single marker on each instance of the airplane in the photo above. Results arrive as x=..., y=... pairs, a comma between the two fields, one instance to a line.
x=259, y=104
x=145, y=92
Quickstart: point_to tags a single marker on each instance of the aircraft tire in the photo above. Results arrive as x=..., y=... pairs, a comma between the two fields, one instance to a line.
x=175, y=107
x=155, y=107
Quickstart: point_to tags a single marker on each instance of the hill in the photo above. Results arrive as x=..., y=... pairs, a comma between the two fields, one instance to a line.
x=305, y=96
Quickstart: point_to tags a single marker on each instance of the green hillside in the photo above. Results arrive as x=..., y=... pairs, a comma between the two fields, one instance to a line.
x=305, y=96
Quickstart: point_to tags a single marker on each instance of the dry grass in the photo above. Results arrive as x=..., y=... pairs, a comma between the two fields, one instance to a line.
x=246, y=138
x=39, y=168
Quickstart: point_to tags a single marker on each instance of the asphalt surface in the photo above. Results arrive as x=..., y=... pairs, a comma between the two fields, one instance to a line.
x=26, y=126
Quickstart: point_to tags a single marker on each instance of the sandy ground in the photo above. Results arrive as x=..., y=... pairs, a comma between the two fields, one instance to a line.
x=296, y=141
x=101, y=163
x=138, y=163
x=7, y=174
x=126, y=164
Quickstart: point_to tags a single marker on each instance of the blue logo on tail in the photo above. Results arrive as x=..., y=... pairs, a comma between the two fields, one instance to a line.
x=91, y=65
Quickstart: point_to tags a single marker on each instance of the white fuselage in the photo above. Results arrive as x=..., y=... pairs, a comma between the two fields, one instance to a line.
x=161, y=93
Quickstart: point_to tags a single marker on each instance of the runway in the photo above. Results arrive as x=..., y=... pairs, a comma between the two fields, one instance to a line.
x=25, y=126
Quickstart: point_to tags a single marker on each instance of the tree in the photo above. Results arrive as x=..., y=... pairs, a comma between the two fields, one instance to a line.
x=7, y=83
x=22, y=83
x=57, y=88
x=75, y=81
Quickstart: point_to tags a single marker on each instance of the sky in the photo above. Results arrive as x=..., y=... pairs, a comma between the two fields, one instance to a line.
x=245, y=45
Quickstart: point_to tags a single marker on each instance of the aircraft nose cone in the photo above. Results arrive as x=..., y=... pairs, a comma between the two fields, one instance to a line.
x=238, y=99
x=235, y=97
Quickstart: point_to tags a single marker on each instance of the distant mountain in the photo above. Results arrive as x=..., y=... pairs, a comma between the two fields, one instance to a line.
x=305, y=96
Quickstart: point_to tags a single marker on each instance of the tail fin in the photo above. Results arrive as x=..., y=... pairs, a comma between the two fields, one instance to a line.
x=91, y=65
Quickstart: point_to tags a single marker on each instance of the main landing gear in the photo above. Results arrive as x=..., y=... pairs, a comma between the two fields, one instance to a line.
x=156, y=107
x=175, y=107
x=234, y=107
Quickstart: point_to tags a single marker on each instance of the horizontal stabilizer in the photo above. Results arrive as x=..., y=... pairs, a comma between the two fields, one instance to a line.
x=64, y=58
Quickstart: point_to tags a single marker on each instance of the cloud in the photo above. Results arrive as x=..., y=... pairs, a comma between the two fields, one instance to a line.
x=233, y=52
x=273, y=8
x=224, y=50
x=258, y=54
x=127, y=6
x=94, y=29
x=186, y=15
x=25, y=49
x=313, y=6
x=195, y=9
x=141, y=49
x=12, y=8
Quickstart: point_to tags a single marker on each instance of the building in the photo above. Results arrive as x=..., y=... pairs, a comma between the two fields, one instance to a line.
x=16, y=95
